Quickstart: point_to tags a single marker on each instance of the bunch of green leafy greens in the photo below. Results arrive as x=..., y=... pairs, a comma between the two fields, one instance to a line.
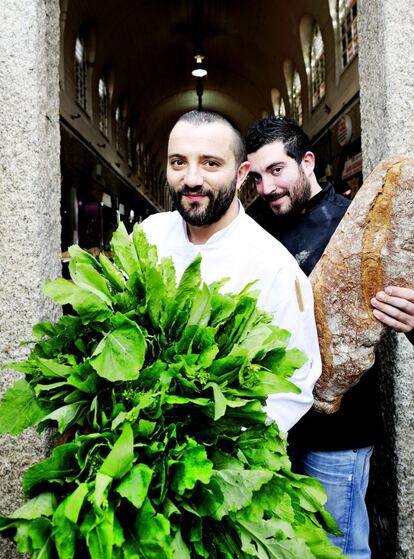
x=158, y=390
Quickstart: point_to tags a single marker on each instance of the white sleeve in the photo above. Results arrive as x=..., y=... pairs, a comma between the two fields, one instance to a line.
x=294, y=311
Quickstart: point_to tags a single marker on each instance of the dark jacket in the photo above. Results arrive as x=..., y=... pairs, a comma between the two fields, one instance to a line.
x=357, y=423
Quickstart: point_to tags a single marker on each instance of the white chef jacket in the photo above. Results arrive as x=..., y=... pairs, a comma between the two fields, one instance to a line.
x=244, y=252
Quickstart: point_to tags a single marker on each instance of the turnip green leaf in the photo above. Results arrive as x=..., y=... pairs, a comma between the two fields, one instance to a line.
x=19, y=409
x=120, y=354
x=134, y=486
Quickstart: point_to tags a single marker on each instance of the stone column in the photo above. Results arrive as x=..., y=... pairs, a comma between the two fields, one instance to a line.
x=386, y=67
x=29, y=204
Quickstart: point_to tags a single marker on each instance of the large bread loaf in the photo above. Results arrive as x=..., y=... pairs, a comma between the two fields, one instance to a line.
x=373, y=247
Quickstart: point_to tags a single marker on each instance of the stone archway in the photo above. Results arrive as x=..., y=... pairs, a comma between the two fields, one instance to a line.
x=30, y=225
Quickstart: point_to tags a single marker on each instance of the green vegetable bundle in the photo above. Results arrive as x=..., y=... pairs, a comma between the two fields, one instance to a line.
x=157, y=393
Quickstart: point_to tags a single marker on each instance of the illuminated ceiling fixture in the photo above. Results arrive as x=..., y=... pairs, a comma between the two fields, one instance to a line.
x=199, y=70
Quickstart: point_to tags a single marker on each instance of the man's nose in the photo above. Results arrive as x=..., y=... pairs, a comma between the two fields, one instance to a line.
x=193, y=176
x=268, y=185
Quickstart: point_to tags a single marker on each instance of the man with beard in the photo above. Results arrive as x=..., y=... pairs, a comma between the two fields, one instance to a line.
x=334, y=448
x=205, y=168
x=307, y=213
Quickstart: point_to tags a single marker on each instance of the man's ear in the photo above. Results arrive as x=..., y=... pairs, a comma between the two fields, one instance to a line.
x=308, y=163
x=242, y=173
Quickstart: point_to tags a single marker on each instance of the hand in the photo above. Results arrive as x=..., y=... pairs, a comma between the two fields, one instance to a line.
x=394, y=307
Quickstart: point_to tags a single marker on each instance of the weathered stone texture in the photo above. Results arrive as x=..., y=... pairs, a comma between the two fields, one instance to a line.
x=386, y=67
x=30, y=195
x=386, y=75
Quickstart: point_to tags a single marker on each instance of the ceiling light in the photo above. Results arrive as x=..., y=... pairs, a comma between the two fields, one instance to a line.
x=199, y=70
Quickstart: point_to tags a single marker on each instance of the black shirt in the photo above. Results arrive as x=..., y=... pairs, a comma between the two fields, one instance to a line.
x=306, y=235
x=358, y=421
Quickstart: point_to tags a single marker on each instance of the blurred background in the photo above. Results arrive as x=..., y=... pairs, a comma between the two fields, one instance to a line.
x=129, y=69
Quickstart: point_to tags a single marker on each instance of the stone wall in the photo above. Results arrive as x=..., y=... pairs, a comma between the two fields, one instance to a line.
x=30, y=225
x=386, y=68
x=30, y=203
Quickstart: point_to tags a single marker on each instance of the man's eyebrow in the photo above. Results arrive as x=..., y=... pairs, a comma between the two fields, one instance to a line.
x=203, y=156
x=210, y=156
x=178, y=155
x=275, y=164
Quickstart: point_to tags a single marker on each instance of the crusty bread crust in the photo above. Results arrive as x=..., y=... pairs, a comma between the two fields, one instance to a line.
x=373, y=247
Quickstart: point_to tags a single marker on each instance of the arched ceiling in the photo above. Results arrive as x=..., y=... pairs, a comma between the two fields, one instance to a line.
x=150, y=45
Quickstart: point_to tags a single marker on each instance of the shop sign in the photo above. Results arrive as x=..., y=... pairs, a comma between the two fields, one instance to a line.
x=344, y=130
x=353, y=166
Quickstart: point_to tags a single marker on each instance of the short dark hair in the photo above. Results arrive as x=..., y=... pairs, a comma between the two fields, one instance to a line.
x=282, y=129
x=199, y=118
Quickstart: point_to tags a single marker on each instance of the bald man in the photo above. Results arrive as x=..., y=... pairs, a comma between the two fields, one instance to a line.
x=206, y=167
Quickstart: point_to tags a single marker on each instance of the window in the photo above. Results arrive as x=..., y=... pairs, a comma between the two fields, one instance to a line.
x=277, y=103
x=103, y=107
x=80, y=72
x=347, y=13
x=129, y=145
x=317, y=58
x=296, y=97
x=119, y=130
x=140, y=155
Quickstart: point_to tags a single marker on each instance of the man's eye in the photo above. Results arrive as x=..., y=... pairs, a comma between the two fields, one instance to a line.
x=276, y=170
x=211, y=163
x=176, y=162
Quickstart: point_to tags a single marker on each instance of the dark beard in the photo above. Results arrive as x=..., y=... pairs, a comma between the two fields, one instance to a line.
x=299, y=198
x=216, y=208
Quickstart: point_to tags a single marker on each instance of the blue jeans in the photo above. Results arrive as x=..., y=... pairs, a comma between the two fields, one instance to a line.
x=344, y=475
